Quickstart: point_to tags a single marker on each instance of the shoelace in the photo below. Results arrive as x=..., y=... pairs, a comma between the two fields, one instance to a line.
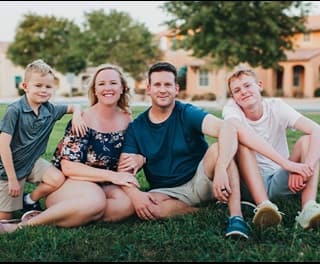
x=256, y=208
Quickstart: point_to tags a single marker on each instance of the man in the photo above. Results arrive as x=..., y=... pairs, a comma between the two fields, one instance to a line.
x=180, y=167
x=270, y=118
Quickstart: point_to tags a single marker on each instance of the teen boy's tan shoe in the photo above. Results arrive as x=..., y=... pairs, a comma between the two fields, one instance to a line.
x=309, y=217
x=266, y=214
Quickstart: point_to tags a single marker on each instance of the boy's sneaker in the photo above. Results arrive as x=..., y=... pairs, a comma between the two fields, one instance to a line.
x=30, y=207
x=310, y=215
x=237, y=227
x=266, y=214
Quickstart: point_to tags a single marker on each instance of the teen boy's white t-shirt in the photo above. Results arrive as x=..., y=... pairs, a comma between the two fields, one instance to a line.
x=277, y=117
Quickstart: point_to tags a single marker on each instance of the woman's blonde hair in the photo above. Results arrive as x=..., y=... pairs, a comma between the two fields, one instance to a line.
x=123, y=102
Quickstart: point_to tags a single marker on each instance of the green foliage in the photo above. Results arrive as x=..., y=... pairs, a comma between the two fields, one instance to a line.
x=116, y=38
x=234, y=32
x=182, y=77
x=49, y=38
x=317, y=92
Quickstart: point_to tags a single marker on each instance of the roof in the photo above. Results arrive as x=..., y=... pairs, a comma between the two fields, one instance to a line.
x=313, y=23
x=302, y=54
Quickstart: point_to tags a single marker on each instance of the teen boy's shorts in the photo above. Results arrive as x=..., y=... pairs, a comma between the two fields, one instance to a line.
x=10, y=204
x=275, y=182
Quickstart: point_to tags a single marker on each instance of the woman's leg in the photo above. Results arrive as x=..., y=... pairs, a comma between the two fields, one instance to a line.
x=75, y=203
x=118, y=204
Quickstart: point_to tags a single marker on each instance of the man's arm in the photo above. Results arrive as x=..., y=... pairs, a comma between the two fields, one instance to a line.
x=131, y=162
x=226, y=134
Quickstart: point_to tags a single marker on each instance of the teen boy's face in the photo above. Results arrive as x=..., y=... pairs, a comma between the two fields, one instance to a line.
x=162, y=88
x=39, y=88
x=246, y=91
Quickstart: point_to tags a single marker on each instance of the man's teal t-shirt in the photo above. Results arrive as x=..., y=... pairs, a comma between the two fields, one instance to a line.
x=173, y=148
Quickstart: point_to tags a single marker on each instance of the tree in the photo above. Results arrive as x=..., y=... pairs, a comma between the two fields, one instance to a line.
x=182, y=78
x=51, y=39
x=234, y=32
x=116, y=38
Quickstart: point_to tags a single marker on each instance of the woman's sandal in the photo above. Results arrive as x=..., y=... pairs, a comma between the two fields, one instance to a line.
x=30, y=214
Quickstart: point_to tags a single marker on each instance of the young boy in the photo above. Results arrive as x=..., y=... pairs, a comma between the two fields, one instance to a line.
x=25, y=130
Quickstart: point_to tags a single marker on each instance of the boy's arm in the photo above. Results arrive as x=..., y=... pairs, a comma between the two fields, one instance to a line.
x=257, y=143
x=309, y=127
x=79, y=126
x=6, y=157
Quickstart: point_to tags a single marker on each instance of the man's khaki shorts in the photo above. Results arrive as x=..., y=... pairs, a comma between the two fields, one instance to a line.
x=193, y=192
x=10, y=204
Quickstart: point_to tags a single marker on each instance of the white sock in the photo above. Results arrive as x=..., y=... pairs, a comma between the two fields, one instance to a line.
x=310, y=202
x=28, y=199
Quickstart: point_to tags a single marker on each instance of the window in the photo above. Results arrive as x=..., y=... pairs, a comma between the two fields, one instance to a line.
x=17, y=81
x=203, y=78
x=297, y=71
x=306, y=37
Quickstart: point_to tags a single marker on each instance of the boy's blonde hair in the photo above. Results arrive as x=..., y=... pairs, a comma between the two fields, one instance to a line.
x=239, y=72
x=38, y=66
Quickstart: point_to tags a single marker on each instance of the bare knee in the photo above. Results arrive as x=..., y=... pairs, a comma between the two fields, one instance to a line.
x=303, y=143
x=210, y=159
x=118, y=204
x=54, y=178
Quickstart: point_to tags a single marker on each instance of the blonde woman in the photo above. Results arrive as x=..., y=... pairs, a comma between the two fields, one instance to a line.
x=92, y=190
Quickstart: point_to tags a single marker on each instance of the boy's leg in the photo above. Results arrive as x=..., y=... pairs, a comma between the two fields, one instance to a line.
x=48, y=177
x=250, y=174
x=309, y=217
x=236, y=227
x=9, y=204
x=266, y=213
x=299, y=154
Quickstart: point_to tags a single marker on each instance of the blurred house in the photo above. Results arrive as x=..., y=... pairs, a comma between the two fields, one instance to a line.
x=299, y=75
x=11, y=77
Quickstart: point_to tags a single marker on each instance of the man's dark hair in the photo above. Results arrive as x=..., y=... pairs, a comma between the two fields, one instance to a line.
x=162, y=66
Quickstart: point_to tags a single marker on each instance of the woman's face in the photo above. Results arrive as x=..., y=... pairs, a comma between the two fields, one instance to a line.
x=108, y=88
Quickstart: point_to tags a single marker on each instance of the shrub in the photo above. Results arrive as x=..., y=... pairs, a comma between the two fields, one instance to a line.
x=317, y=92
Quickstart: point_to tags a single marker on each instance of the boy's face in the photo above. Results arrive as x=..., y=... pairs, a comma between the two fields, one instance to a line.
x=39, y=88
x=246, y=91
x=162, y=88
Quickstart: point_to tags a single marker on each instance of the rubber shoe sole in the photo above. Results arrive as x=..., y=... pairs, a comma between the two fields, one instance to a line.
x=266, y=217
x=314, y=223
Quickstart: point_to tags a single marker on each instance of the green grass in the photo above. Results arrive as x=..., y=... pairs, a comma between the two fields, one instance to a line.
x=190, y=238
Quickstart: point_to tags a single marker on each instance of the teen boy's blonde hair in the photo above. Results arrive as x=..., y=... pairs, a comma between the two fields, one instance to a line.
x=239, y=72
x=38, y=66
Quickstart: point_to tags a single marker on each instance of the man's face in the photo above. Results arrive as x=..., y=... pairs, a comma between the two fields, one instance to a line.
x=162, y=88
x=246, y=91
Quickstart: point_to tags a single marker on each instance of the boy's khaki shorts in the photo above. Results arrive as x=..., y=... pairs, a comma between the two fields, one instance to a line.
x=10, y=204
x=193, y=192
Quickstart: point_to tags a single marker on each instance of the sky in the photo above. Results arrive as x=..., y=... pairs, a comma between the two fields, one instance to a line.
x=147, y=12
x=11, y=13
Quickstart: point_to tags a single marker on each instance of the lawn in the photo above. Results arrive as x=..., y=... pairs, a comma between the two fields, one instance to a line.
x=190, y=238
